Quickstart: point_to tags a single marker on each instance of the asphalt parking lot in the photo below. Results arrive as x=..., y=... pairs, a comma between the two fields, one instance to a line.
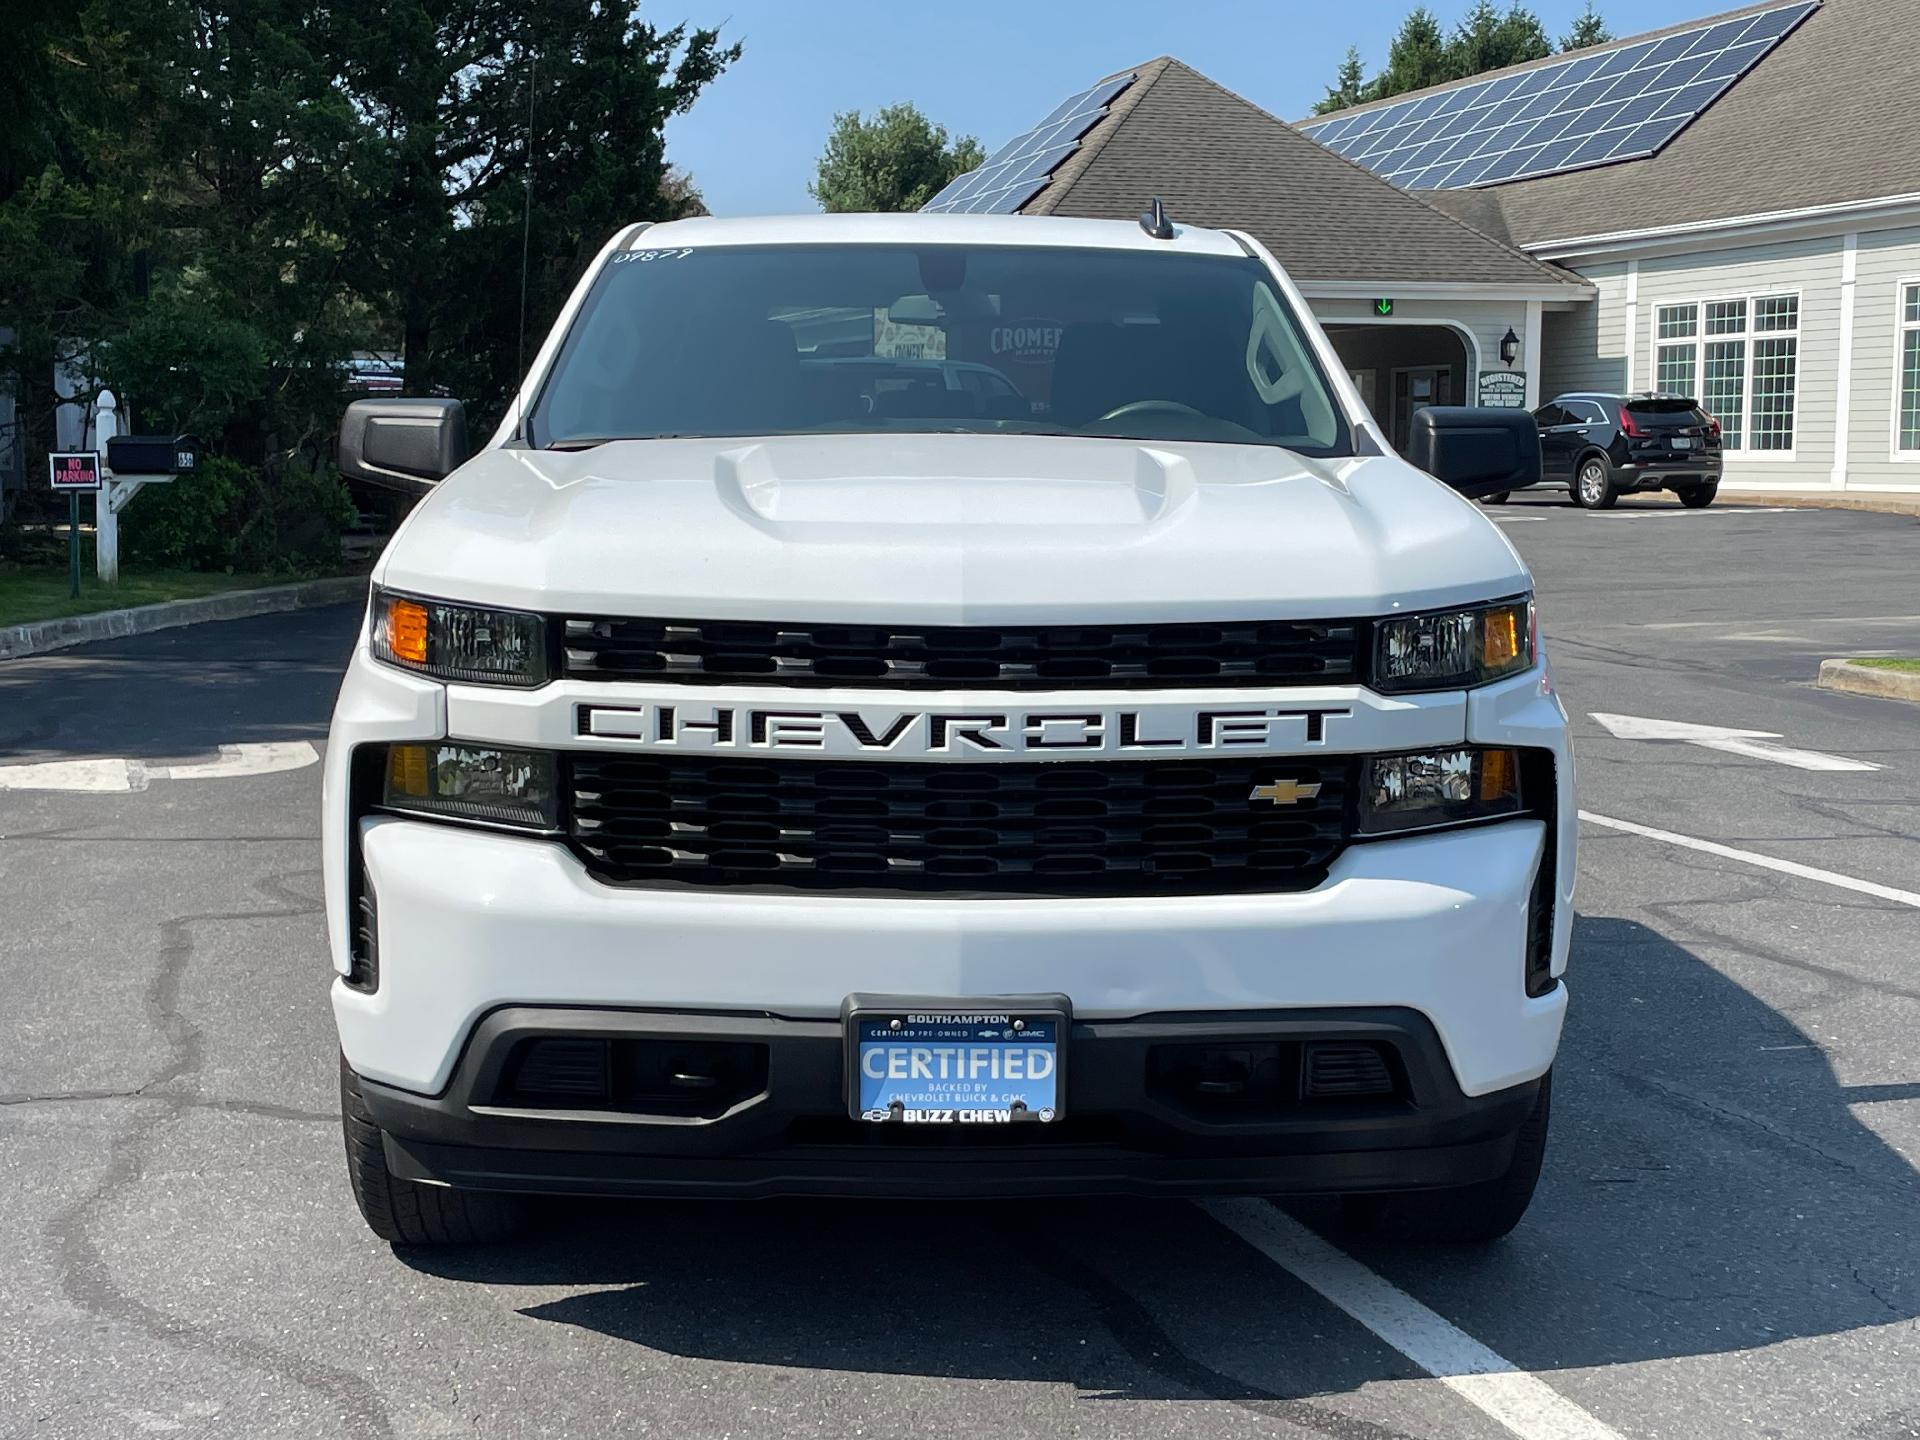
x=1726, y=1242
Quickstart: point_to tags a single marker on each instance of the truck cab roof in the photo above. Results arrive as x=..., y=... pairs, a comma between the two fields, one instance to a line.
x=912, y=228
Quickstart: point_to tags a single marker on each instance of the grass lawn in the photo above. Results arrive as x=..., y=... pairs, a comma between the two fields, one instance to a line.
x=1892, y=662
x=39, y=592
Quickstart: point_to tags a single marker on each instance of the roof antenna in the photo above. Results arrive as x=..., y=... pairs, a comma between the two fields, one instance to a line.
x=526, y=245
x=1155, y=221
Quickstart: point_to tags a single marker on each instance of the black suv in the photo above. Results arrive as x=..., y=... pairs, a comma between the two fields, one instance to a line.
x=1604, y=446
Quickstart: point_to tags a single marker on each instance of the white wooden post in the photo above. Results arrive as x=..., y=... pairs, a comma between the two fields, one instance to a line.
x=106, y=514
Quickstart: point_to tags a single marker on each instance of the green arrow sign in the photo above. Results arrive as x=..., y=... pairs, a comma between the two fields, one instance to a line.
x=1383, y=308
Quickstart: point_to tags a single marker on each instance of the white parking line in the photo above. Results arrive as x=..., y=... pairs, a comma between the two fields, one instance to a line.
x=261, y=758
x=93, y=777
x=1524, y=1404
x=1765, y=862
x=1700, y=514
x=118, y=777
x=1800, y=620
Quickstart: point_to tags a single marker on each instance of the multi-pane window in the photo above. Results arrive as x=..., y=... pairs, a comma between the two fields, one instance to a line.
x=1909, y=416
x=1724, y=387
x=1726, y=317
x=1678, y=354
x=1776, y=366
x=1740, y=359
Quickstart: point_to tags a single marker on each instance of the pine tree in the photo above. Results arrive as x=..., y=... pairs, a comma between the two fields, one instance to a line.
x=1417, y=57
x=1349, y=85
x=1489, y=40
x=1588, y=29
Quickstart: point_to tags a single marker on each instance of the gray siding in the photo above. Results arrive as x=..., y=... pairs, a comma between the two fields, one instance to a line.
x=1886, y=258
x=1810, y=267
x=1586, y=347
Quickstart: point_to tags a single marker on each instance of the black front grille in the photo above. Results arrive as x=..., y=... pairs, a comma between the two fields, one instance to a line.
x=1090, y=827
x=715, y=652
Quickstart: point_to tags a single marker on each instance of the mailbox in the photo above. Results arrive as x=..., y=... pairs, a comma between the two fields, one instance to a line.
x=153, y=454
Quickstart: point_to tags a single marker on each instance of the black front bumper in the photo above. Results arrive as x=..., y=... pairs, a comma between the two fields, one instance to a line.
x=1134, y=1122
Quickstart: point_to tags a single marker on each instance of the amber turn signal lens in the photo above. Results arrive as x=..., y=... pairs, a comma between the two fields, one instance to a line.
x=407, y=631
x=1499, y=775
x=1500, y=645
x=407, y=771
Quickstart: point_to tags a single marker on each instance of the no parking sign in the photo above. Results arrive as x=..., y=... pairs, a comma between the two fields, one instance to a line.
x=78, y=470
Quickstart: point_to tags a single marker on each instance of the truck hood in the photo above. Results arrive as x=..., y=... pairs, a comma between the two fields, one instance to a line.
x=947, y=529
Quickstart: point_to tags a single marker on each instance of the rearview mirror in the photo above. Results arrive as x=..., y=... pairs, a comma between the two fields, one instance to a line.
x=1476, y=450
x=405, y=445
x=916, y=310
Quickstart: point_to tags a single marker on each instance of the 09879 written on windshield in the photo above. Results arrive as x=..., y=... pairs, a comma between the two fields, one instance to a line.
x=889, y=339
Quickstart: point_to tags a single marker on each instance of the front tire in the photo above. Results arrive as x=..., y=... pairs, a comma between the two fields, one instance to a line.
x=1699, y=497
x=1593, y=487
x=405, y=1212
x=1499, y=499
x=1465, y=1214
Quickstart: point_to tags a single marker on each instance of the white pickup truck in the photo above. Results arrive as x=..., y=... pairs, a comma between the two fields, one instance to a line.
x=956, y=706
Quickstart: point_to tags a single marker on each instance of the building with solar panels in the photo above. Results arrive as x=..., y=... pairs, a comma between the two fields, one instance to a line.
x=1727, y=208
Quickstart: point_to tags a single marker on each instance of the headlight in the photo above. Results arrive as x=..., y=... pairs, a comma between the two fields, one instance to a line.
x=471, y=782
x=1438, y=787
x=1453, y=649
x=460, y=642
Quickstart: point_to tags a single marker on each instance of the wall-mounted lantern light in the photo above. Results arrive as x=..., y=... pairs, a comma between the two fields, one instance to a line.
x=1509, y=349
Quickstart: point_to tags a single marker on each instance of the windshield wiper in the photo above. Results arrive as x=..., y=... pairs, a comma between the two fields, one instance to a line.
x=588, y=442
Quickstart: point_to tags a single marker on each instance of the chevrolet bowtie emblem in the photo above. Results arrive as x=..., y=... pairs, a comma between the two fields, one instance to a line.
x=1285, y=792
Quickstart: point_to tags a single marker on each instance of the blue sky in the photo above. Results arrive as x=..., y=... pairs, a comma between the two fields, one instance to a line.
x=993, y=68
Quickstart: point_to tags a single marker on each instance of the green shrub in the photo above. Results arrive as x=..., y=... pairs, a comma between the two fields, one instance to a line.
x=228, y=517
x=188, y=523
x=301, y=519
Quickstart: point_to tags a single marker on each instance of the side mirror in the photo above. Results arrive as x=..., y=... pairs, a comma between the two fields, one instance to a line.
x=1476, y=450
x=403, y=444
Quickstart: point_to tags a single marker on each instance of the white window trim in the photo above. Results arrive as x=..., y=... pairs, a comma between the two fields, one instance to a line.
x=1900, y=329
x=1700, y=340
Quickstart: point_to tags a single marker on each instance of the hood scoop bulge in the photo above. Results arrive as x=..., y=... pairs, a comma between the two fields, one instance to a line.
x=913, y=484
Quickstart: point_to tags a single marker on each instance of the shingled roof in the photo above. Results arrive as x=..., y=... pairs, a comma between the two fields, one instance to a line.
x=1219, y=160
x=1828, y=118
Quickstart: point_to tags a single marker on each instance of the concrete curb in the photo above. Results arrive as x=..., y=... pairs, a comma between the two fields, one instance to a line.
x=40, y=636
x=1866, y=680
x=1878, y=504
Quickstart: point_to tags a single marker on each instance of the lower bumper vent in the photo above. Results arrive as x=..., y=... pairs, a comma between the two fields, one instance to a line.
x=1339, y=1070
x=634, y=1076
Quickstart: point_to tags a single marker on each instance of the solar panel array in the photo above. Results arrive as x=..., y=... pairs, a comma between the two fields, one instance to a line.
x=1590, y=109
x=1020, y=169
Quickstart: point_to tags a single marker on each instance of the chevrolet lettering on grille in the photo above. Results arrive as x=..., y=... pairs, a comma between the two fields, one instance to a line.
x=982, y=734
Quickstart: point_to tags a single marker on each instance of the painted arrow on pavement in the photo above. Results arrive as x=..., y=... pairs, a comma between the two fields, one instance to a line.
x=1755, y=744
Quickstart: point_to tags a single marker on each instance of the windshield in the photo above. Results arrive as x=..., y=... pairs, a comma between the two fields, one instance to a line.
x=843, y=339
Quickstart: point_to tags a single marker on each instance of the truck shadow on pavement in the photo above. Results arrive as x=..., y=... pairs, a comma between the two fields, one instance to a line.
x=178, y=694
x=1708, y=1189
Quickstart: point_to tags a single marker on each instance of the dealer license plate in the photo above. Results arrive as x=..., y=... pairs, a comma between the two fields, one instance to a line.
x=1683, y=442
x=956, y=1067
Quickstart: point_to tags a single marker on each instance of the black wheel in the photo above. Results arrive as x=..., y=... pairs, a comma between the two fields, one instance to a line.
x=1499, y=499
x=1699, y=497
x=1466, y=1214
x=404, y=1212
x=1592, y=487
